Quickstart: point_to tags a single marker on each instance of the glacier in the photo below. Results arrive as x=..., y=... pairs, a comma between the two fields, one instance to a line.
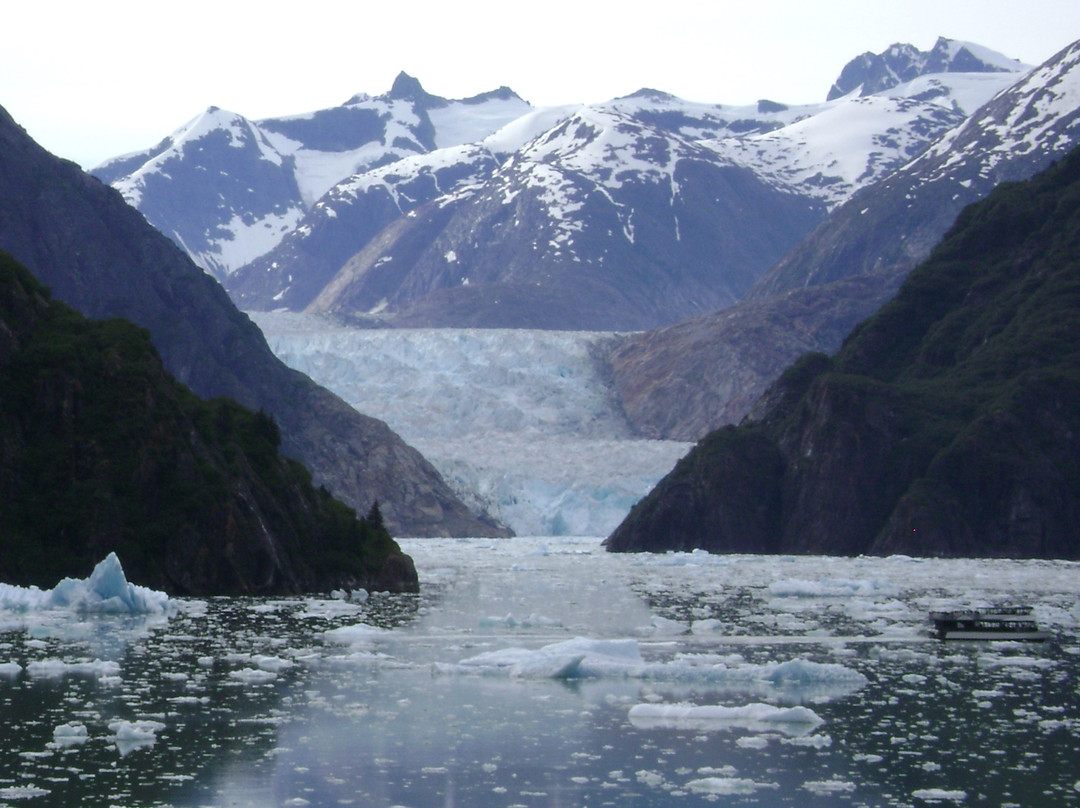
x=521, y=423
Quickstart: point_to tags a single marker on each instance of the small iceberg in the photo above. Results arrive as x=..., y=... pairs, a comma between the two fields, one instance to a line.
x=106, y=591
x=754, y=717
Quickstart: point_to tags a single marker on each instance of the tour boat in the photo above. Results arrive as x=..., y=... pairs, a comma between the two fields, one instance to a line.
x=997, y=623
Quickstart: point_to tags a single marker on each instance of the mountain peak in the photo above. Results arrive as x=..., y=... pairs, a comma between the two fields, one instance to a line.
x=407, y=88
x=871, y=73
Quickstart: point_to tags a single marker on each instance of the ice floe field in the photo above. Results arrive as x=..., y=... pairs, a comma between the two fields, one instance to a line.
x=546, y=672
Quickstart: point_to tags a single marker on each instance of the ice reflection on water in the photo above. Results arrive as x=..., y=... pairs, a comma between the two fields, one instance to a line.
x=258, y=706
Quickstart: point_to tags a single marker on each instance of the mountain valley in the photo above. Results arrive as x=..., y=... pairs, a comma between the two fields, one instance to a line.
x=663, y=260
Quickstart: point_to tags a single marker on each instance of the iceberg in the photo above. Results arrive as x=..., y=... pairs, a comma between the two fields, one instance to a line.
x=106, y=591
x=132, y=735
x=585, y=658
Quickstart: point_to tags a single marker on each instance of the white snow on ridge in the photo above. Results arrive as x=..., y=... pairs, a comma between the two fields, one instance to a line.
x=854, y=141
x=459, y=123
x=515, y=134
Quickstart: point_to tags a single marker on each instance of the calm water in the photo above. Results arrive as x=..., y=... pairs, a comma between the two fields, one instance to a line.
x=423, y=701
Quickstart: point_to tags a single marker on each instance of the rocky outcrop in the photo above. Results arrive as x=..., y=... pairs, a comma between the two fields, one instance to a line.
x=871, y=73
x=947, y=424
x=684, y=381
x=102, y=451
x=96, y=253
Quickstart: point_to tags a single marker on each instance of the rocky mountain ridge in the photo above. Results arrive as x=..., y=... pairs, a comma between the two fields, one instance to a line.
x=870, y=73
x=677, y=383
x=227, y=189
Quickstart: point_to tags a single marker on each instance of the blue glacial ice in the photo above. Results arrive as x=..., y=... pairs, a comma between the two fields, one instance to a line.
x=106, y=591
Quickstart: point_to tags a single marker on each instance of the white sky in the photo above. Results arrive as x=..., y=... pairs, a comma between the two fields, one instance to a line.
x=91, y=80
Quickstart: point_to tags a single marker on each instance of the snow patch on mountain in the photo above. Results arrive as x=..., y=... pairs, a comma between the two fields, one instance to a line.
x=1039, y=113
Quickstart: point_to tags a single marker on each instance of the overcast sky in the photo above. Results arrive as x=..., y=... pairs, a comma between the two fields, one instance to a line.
x=92, y=80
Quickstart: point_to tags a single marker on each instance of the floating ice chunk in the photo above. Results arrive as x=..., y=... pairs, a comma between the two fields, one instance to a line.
x=582, y=657
x=993, y=661
x=755, y=717
x=752, y=742
x=53, y=668
x=132, y=735
x=106, y=591
x=649, y=778
x=727, y=785
x=709, y=625
x=252, y=676
x=814, y=741
x=824, y=788
x=70, y=734
x=358, y=634
x=22, y=792
x=534, y=620
x=827, y=588
x=274, y=664
x=10, y=669
x=577, y=658
x=802, y=673
x=939, y=795
x=21, y=598
x=667, y=627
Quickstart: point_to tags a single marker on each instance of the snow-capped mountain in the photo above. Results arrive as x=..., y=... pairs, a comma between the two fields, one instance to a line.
x=384, y=161
x=894, y=224
x=854, y=141
x=349, y=216
x=227, y=189
x=600, y=223
x=683, y=381
x=818, y=154
x=870, y=73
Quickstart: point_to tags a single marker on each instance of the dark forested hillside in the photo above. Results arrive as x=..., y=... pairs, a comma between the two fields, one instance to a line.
x=101, y=450
x=948, y=423
x=100, y=255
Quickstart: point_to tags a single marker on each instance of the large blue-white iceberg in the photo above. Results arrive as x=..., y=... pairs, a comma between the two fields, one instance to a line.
x=106, y=591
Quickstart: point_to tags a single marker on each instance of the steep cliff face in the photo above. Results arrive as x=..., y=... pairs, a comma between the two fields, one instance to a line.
x=101, y=451
x=684, y=381
x=99, y=255
x=947, y=424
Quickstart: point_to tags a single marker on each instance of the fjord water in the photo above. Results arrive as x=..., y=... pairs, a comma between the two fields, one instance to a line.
x=546, y=672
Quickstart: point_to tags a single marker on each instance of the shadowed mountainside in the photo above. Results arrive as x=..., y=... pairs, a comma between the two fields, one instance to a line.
x=947, y=424
x=101, y=451
x=99, y=255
